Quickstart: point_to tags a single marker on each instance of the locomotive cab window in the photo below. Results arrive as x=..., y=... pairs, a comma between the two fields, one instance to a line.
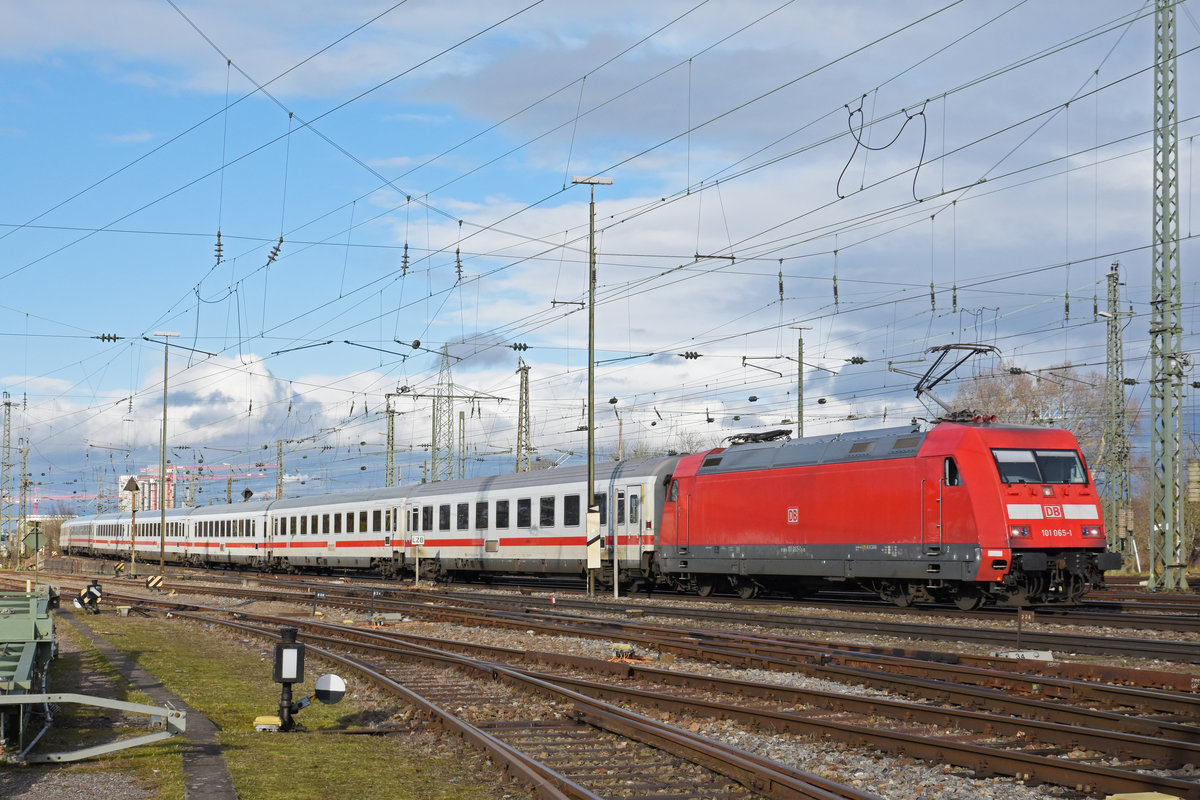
x=950, y=473
x=673, y=492
x=1040, y=466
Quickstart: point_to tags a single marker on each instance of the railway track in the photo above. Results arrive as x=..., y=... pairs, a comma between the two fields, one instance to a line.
x=1039, y=726
x=1112, y=608
x=1085, y=757
x=575, y=744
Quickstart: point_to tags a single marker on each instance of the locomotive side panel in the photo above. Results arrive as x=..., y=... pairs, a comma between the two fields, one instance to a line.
x=871, y=520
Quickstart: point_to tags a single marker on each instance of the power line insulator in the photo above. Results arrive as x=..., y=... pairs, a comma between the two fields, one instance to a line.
x=690, y=355
x=857, y=360
x=275, y=251
x=519, y=346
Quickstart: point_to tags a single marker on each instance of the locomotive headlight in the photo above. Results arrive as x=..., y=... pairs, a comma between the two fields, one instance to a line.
x=1018, y=531
x=1092, y=531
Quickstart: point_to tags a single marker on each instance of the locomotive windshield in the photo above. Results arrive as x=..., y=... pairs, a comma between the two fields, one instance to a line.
x=1039, y=466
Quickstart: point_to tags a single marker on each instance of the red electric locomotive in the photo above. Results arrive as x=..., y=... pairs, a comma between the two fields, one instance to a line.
x=963, y=512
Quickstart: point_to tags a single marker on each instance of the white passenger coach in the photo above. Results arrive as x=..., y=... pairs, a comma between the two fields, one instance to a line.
x=528, y=522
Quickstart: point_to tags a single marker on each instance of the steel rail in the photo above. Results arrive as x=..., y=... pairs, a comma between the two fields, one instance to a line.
x=756, y=773
x=985, y=760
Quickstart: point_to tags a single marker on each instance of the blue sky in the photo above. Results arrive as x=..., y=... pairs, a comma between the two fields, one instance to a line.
x=1004, y=156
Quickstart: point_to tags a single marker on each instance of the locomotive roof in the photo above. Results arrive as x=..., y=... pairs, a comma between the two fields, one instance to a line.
x=900, y=442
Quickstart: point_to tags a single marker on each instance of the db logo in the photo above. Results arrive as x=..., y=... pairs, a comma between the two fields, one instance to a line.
x=794, y=515
x=1052, y=512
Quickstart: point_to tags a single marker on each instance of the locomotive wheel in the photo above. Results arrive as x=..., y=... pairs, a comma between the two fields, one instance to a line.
x=704, y=586
x=968, y=600
x=897, y=594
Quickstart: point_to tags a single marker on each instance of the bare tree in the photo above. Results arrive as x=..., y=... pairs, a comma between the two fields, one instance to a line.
x=1061, y=397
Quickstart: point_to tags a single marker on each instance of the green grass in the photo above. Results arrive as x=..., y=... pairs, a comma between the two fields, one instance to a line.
x=226, y=676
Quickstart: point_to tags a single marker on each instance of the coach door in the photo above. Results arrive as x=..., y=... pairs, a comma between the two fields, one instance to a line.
x=931, y=516
x=682, y=511
x=627, y=511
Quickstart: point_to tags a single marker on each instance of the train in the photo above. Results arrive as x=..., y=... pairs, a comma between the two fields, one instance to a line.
x=964, y=512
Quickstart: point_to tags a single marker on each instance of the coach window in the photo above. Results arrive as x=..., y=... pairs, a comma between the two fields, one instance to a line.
x=502, y=514
x=571, y=510
x=635, y=503
x=313, y=526
x=462, y=516
x=620, y=508
x=481, y=515
x=524, y=512
x=601, y=500
x=362, y=522
x=377, y=518
x=337, y=523
x=952, y=477
x=444, y=517
x=415, y=525
x=303, y=526
x=324, y=523
x=427, y=518
x=546, y=512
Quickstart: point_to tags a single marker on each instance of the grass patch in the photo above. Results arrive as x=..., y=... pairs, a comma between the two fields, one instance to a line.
x=226, y=676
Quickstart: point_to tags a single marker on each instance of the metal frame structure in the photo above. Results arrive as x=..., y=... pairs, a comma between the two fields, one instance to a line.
x=443, y=422
x=172, y=720
x=1114, y=447
x=524, y=444
x=1167, y=558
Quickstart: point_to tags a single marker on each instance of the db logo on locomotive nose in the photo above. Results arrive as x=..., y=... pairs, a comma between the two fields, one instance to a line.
x=793, y=515
x=1052, y=512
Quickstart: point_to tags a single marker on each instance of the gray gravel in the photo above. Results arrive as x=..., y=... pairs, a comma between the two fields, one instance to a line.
x=62, y=783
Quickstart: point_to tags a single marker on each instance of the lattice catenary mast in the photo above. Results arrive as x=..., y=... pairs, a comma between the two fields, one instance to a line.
x=443, y=422
x=524, y=445
x=6, y=478
x=1114, y=449
x=1167, y=559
